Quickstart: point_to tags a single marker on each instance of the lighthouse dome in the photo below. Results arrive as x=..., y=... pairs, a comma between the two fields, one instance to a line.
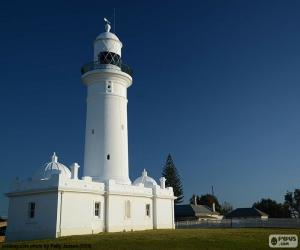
x=145, y=179
x=107, y=45
x=51, y=168
x=107, y=35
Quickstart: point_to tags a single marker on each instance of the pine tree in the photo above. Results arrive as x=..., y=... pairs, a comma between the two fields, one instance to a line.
x=173, y=179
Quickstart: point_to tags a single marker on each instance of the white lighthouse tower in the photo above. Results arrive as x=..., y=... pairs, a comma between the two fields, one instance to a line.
x=106, y=137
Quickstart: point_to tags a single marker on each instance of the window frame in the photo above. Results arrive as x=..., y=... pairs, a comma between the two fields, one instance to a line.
x=97, y=210
x=148, y=210
x=31, y=210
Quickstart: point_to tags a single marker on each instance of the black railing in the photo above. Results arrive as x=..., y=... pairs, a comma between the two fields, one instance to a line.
x=98, y=65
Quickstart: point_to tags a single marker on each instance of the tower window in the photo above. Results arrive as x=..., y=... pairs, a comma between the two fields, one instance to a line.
x=109, y=58
x=108, y=157
x=31, y=210
x=93, y=131
x=148, y=210
x=97, y=209
x=109, y=87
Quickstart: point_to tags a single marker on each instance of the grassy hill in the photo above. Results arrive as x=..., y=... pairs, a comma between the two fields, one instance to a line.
x=208, y=239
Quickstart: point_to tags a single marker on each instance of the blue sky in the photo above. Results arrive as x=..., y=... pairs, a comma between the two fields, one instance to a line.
x=216, y=84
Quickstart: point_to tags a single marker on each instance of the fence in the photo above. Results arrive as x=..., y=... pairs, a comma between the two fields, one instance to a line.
x=237, y=223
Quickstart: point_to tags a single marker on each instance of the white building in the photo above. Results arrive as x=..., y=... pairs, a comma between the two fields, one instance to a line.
x=54, y=202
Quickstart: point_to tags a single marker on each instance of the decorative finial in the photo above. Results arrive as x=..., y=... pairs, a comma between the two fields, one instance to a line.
x=144, y=172
x=54, y=157
x=107, y=25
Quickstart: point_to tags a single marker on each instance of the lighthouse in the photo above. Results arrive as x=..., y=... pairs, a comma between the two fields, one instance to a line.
x=106, y=137
x=46, y=204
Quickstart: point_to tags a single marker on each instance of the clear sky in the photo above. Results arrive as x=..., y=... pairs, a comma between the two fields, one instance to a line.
x=216, y=84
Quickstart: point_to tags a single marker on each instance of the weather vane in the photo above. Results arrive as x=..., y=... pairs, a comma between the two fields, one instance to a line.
x=107, y=25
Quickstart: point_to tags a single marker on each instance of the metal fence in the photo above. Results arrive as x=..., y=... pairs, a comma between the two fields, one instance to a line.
x=238, y=223
x=98, y=65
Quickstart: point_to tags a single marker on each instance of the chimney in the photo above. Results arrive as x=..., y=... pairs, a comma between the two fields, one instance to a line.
x=74, y=170
x=195, y=200
x=214, y=207
x=162, y=182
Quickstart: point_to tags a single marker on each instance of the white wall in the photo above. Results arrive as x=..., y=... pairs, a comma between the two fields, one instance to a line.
x=69, y=208
x=138, y=220
x=106, y=126
x=43, y=225
x=77, y=213
x=164, y=213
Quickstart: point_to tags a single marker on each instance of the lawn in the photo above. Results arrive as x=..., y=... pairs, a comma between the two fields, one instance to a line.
x=244, y=238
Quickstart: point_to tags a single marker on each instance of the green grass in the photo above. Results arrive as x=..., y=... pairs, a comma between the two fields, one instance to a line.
x=206, y=239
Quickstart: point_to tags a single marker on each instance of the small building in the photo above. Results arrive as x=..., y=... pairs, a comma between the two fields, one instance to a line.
x=247, y=213
x=3, y=225
x=190, y=212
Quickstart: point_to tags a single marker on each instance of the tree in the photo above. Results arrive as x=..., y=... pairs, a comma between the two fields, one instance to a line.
x=289, y=201
x=292, y=201
x=173, y=179
x=297, y=200
x=226, y=207
x=272, y=208
x=206, y=200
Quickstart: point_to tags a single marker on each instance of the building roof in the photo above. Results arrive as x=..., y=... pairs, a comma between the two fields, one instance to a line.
x=107, y=42
x=107, y=35
x=191, y=210
x=245, y=212
x=145, y=179
x=51, y=168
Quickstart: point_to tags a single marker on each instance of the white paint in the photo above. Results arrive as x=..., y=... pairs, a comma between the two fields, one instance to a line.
x=106, y=126
x=145, y=180
x=51, y=168
x=74, y=170
x=107, y=41
x=20, y=227
x=65, y=206
x=106, y=137
x=162, y=182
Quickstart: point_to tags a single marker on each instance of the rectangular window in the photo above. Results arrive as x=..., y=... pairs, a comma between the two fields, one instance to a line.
x=148, y=213
x=97, y=209
x=127, y=209
x=31, y=210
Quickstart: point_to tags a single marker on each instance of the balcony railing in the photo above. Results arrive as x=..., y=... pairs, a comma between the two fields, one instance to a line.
x=98, y=65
